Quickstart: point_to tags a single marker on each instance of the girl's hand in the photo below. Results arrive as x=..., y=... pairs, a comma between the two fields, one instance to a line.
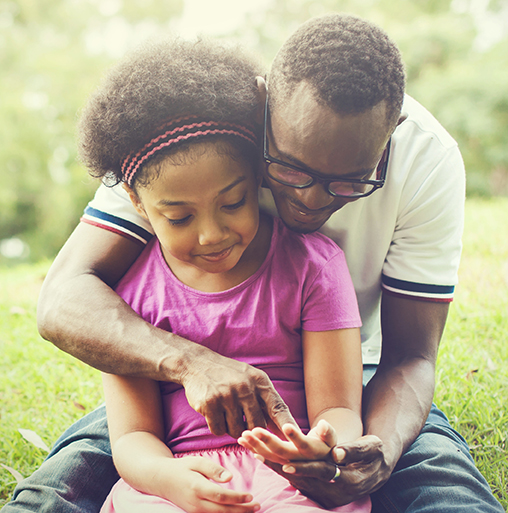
x=316, y=445
x=188, y=483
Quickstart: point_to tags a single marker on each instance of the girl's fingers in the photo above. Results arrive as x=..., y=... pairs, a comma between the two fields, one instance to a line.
x=297, y=437
x=215, y=493
x=206, y=490
x=245, y=444
x=196, y=486
x=212, y=507
x=209, y=469
x=326, y=432
x=273, y=442
x=312, y=446
x=254, y=444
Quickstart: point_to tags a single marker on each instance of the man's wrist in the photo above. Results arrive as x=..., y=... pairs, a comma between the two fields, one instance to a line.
x=183, y=362
x=391, y=455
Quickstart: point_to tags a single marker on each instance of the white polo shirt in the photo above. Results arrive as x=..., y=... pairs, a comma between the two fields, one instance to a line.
x=405, y=238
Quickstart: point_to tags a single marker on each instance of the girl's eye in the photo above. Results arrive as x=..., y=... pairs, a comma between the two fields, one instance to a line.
x=241, y=203
x=178, y=222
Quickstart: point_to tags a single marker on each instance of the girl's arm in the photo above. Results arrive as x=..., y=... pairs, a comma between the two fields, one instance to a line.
x=333, y=380
x=333, y=388
x=144, y=461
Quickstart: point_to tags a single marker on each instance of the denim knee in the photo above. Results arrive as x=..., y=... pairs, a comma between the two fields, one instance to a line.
x=436, y=474
x=76, y=476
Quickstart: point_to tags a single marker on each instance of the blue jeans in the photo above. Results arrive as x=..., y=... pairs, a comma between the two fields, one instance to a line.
x=436, y=474
x=77, y=474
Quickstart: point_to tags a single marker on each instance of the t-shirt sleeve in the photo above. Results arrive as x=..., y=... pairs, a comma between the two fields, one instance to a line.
x=330, y=300
x=424, y=254
x=111, y=209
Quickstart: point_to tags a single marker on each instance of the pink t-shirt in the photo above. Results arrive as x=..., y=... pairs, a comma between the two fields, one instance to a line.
x=303, y=283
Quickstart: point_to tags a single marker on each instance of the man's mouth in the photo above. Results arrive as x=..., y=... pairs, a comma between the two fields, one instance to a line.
x=309, y=215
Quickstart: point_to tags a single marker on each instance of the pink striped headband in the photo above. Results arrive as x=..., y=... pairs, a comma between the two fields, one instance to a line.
x=177, y=131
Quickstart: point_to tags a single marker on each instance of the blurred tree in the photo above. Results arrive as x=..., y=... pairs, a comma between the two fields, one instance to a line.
x=450, y=69
x=52, y=54
x=471, y=100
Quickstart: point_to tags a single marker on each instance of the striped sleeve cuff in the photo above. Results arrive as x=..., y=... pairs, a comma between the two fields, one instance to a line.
x=116, y=224
x=424, y=291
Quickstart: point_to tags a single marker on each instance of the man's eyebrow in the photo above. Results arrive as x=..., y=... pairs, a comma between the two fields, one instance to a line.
x=169, y=203
x=361, y=173
x=293, y=160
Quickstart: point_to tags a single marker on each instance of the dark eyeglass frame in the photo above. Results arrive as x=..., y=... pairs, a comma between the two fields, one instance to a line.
x=319, y=179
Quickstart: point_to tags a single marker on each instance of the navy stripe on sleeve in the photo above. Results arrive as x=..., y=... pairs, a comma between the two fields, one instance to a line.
x=121, y=224
x=423, y=290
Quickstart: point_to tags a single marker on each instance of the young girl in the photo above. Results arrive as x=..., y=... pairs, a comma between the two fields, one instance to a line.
x=174, y=123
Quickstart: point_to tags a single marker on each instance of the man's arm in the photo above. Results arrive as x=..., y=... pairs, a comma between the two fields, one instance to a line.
x=397, y=400
x=81, y=314
x=396, y=404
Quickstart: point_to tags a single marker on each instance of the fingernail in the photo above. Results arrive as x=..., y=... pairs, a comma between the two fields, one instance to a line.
x=338, y=454
x=225, y=474
x=259, y=457
x=288, y=469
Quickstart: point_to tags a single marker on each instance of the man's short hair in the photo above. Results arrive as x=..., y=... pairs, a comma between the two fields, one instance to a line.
x=351, y=63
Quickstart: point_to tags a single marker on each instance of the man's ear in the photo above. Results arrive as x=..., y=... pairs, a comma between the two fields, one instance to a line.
x=259, y=174
x=260, y=113
x=136, y=202
x=402, y=118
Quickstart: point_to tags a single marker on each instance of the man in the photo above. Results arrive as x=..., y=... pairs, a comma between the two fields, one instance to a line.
x=388, y=185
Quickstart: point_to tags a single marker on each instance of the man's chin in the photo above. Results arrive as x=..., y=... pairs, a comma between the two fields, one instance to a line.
x=301, y=220
x=302, y=227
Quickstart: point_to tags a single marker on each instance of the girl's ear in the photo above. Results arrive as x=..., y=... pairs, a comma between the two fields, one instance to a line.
x=135, y=200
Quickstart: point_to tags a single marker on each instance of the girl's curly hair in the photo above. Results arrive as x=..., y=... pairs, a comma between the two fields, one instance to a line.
x=159, y=82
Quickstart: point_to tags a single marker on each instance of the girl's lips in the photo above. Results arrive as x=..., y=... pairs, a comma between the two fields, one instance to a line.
x=217, y=257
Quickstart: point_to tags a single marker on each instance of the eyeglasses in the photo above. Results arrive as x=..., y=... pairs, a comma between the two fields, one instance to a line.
x=294, y=176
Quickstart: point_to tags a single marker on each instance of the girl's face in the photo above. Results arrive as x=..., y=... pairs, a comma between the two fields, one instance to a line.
x=204, y=211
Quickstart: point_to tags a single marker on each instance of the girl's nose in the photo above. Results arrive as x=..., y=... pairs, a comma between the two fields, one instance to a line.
x=314, y=197
x=211, y=232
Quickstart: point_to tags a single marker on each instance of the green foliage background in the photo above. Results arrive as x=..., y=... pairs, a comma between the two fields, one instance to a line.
x=53, y=53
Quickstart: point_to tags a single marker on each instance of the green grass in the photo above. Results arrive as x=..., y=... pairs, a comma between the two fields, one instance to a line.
x=45, y=390
x=41, y=388
x=472, y=376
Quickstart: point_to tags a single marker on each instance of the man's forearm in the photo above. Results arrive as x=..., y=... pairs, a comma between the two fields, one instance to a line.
x=86, y=318
x=81, y=314
x=396, y=404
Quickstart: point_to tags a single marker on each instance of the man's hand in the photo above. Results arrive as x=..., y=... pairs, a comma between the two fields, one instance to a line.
x=363, y=469
x=233, y=396
x=361, y=463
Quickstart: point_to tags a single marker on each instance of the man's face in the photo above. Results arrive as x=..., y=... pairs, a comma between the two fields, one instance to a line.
x=311, y=136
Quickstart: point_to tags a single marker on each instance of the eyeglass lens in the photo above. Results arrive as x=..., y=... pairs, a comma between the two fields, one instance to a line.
x=295, y=178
